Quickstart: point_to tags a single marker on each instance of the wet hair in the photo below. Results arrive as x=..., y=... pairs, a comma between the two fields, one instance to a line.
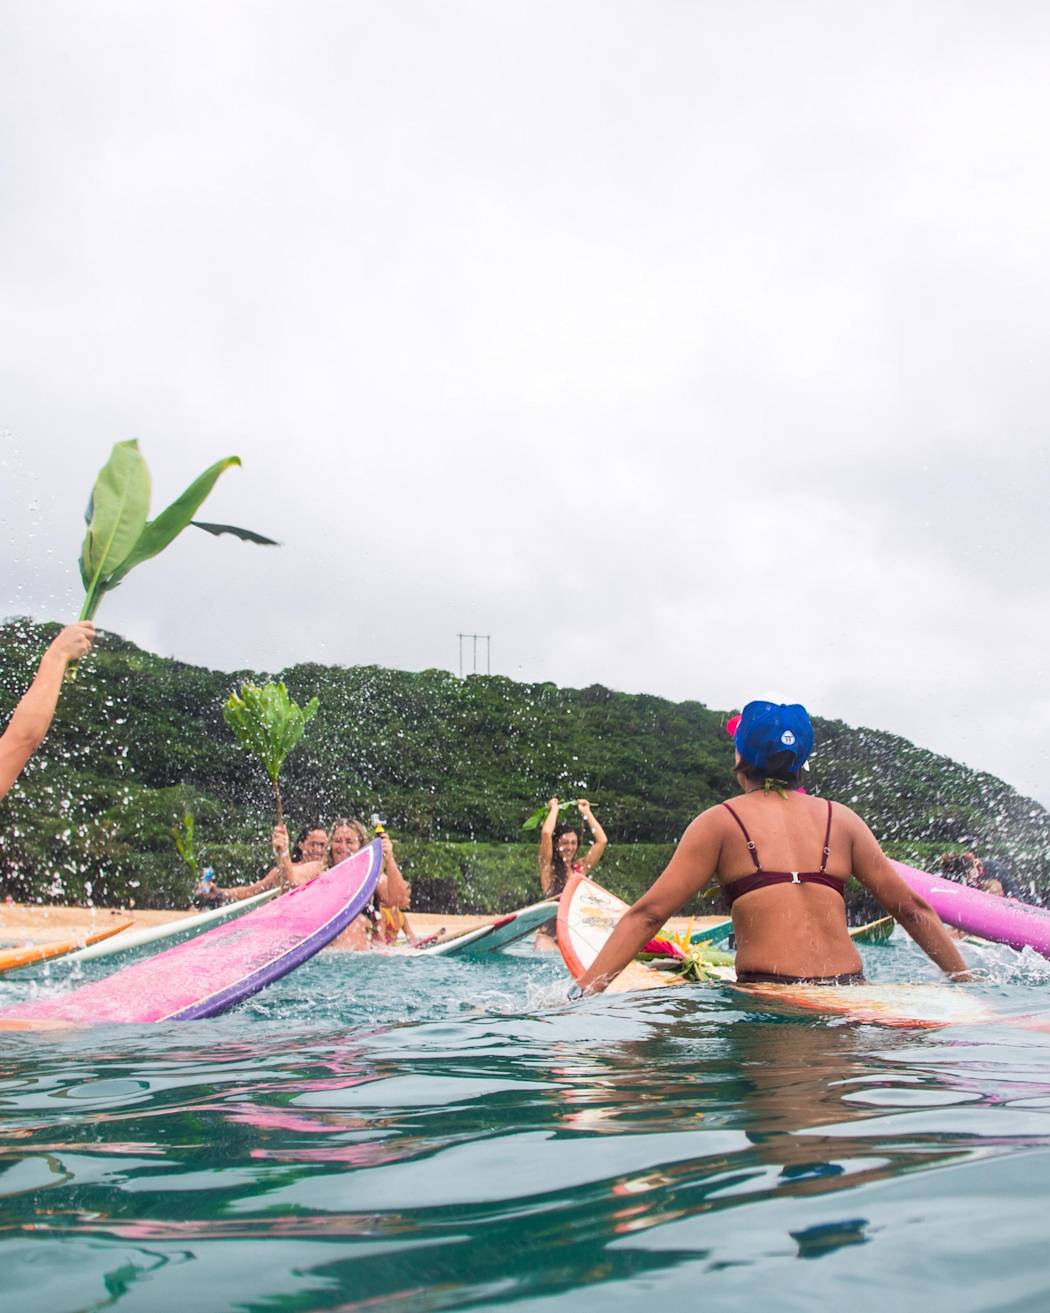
x=347, y=823
x=997, y=870
x=961, y=866
x=778, y=767
x=300, y=839
x=559, y=870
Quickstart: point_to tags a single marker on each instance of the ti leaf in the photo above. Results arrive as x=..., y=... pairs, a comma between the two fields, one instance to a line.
x=270, y=725
x=185, y=844
x=536, y=819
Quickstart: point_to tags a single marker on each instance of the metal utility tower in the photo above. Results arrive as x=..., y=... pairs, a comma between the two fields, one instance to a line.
x=488, y=652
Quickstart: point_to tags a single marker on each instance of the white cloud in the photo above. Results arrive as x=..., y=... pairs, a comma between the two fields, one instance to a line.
x=688, y=350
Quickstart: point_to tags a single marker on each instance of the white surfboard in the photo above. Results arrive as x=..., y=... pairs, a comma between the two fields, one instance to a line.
x=152, y=934
x=497, y=933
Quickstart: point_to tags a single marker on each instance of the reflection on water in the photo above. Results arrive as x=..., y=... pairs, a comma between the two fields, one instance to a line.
x=428, y=1135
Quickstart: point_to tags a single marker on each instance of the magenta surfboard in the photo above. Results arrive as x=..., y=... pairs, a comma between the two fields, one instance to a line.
x=978, y=913
x=218, y=969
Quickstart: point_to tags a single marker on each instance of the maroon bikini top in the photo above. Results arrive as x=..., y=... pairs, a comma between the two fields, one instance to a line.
x=763, y=878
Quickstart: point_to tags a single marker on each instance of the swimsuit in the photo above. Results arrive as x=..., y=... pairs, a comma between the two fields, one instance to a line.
x=771, y=978
x=394, y=920
x=761, y=880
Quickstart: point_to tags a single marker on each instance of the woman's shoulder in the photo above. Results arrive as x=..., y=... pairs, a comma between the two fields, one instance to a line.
x=842, y=816
x=812, y=802
x=715, y=816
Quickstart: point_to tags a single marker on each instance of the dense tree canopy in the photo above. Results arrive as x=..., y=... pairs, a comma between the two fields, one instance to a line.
x=453, y=765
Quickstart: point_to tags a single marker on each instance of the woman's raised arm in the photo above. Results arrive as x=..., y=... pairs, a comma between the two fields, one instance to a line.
x=31, y=719
x=546, y=853
x=601, y=841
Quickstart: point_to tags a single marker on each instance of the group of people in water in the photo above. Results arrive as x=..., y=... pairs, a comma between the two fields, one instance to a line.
x=781, y=856
x=316, y=849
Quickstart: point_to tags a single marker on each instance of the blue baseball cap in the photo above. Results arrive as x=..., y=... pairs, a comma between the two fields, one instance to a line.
x=767, y=729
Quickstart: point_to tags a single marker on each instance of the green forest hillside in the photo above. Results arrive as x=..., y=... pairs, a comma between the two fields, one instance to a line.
x=453, y=765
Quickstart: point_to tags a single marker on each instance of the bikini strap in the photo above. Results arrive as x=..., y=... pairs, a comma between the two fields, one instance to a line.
x=827, y=844
x=747, y=838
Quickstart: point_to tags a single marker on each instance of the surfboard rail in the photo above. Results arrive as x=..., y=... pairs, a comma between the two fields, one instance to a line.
x=13, y=958
x=497, y=933
x=989, y=916
x=139, y=938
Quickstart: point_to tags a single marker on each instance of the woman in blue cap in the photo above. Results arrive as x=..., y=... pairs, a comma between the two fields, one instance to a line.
x=782, y=859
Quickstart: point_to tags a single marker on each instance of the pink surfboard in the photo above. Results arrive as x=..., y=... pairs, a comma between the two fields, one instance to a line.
x=219, y=969
x=978, y=913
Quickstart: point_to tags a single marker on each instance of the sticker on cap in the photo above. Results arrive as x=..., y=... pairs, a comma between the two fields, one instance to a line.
x=787, y=738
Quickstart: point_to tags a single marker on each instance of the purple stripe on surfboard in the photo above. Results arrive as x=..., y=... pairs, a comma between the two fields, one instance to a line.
x=1004, y=920
x=267, y=974
x=220, y=968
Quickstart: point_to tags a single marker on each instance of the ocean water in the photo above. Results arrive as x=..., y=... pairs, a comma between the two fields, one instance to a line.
x=431, y=1134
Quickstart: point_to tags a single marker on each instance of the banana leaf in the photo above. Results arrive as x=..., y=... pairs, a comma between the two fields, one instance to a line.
x=159, y=533
x=120, y=535
x=537, y=818
x=245, y=535
x=116, y=516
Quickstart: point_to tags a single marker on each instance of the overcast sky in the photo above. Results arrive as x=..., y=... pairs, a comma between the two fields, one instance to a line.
x=688, y=348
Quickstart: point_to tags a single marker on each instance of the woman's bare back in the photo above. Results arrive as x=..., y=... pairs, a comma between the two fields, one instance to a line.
x=788, y=929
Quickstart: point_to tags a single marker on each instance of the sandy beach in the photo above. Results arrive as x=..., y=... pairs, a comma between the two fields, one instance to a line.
x=44, y=923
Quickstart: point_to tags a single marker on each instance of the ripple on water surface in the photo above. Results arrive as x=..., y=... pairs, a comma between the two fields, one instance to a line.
x=431, y=1134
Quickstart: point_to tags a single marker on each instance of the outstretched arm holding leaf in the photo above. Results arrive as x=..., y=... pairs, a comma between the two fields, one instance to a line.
x=32, y=717
x=593, y=855
x=284, y=875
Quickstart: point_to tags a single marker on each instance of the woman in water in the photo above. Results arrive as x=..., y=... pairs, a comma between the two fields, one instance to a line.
x=967, y=868
x=560, y=846
x=782, y=859
x=386, y=915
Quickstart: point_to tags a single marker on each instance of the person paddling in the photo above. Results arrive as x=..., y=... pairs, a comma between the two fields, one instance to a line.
x=31, y=719
x=782, y=859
